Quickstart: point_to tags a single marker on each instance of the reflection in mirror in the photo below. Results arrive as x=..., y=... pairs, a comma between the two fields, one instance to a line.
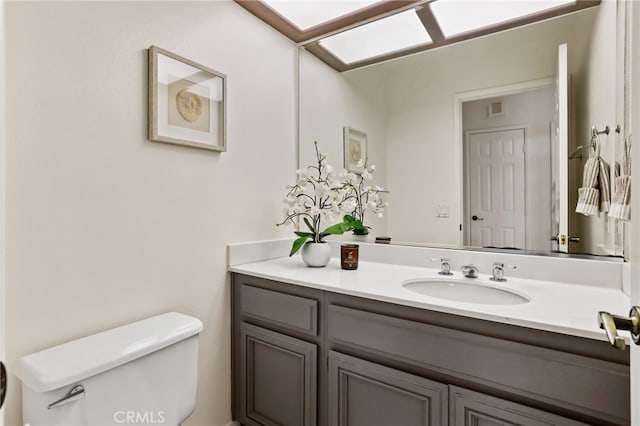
x=507, y=166
x=426, y=114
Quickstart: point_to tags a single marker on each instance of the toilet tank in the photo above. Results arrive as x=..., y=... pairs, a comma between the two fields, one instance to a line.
x=143, y=373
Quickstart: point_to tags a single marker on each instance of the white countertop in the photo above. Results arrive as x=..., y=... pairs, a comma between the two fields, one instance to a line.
x=558, y=307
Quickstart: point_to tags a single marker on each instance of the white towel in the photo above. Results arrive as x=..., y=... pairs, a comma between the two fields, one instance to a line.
x=621, y=202
x=594, y=196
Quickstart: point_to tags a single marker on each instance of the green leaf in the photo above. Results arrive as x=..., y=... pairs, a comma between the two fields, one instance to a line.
x=349, y=222
x=306, y=221
x=297, y=244
x=304, y=234
x=337, y=229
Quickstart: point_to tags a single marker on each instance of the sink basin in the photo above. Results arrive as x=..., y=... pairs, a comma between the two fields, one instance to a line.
x=465, y=291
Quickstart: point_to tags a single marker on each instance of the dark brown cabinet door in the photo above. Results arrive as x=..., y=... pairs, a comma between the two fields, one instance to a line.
x=278, y=377
x=469, y=408
x=362, y=393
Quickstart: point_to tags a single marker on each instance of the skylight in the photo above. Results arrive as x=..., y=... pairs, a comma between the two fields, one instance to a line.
x=460, y=16
x=306, y=14
x=393, y=33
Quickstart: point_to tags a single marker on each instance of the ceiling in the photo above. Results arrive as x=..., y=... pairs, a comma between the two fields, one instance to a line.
x=351, y=34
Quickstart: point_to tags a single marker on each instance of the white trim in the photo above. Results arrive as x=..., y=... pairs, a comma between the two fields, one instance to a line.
x=2, y=188
x=458, y=135
x=563, y=145
x=634, y=231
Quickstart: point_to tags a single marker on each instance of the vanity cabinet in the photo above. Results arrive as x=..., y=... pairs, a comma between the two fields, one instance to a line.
x=303, y=356
x=276, y=350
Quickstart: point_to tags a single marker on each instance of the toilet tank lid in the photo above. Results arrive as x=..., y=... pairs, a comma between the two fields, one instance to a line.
x=71, y=362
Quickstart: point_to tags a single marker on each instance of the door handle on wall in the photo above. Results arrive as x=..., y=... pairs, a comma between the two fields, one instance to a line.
x=564, y=239
x=3, y=383
x=612, y=323
x=474, y=217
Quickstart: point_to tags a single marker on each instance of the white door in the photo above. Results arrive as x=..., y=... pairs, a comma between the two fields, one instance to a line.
x=634, y=233
x=632, y=81
x=560, y=155
x=3, y=375
x=495, y=164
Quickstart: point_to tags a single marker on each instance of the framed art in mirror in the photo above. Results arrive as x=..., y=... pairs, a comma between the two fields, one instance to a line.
x=355, y=150
x=187, y=102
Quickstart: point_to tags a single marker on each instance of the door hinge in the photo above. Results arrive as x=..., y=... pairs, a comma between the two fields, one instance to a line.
x=461, y=227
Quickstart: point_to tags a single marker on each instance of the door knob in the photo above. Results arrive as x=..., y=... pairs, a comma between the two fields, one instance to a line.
x=3, y=383
x=612, y=323
x=474, y=217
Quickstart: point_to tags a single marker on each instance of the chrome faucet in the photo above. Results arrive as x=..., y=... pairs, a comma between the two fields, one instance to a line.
x=470, y=271
x=445, y=266
x=498, y=271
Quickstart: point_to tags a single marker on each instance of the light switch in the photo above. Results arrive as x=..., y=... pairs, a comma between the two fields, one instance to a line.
x=442, y=211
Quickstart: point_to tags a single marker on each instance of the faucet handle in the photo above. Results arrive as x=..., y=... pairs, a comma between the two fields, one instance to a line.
x=445, y=265
x=498, y=271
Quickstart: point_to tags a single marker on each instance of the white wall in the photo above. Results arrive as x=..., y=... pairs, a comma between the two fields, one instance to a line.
x=594, y=89
x=105, y=227
x=534, y=110
x=330, y=101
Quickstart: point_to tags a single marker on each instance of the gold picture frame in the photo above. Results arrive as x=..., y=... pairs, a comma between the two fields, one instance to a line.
x=355, y=150
x=187, y=102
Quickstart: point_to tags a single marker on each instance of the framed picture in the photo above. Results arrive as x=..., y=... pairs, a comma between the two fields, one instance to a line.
x=355, y=150
x=187, y=102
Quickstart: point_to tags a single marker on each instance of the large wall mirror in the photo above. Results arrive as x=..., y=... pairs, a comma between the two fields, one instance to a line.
x=483, y=143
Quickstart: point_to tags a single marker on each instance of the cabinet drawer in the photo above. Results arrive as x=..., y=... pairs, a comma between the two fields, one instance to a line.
x=470, y=408
x=292, y=312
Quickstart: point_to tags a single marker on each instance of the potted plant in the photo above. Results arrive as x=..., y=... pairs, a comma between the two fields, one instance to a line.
x=318, y=197
x=365, y=198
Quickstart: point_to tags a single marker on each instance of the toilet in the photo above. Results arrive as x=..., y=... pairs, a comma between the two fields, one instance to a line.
x=143, y=373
